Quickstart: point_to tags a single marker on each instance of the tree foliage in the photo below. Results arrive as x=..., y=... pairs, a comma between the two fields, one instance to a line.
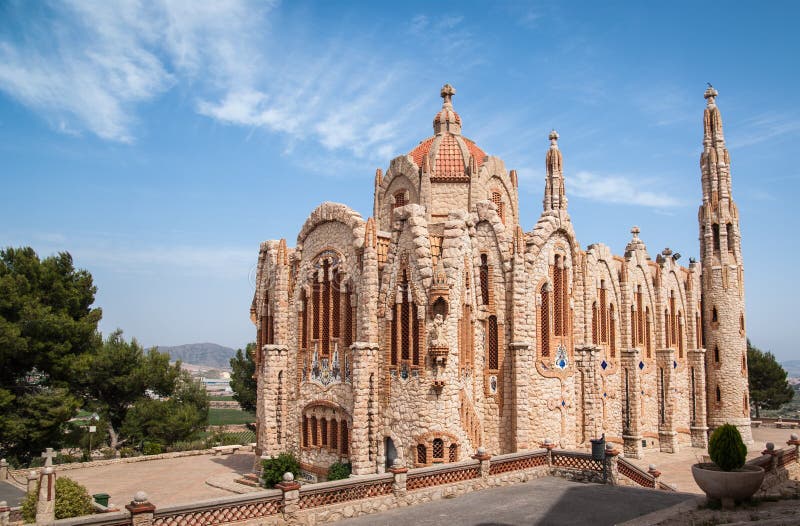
x=242, y=382
x=72, y=500
x=47, y=324
x=273, y=468
x=768, y=386
x=726, y=448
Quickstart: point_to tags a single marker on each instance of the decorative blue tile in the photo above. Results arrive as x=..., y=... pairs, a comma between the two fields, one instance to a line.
x=605, y=395
x=641, y=365
x=563, y=403
x=674, y=364
x=603, y=364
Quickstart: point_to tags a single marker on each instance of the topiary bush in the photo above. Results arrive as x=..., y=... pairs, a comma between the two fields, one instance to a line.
x=726, y=448
x=273, y=468
x=72, y=500
x=339, y=471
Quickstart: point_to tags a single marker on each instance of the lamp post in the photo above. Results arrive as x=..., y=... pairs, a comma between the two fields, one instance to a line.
x=92, y=430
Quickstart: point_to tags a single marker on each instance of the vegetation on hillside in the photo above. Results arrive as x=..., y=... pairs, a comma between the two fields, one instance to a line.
x=768, y=386
x=243, y=382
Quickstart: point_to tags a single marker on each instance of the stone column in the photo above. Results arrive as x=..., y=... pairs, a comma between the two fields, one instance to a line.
x=46, y=504
x=274, y=369
x=141, y=510
x=33, y=480
x=484, y=458
x=588, y=382
x=400, y=473
x=5, y=513
x=365, y=362
x=291, y=498
x=655, y=473
x=3, y=469
x=631, y=428
x=612, y=464
x=667, y=435
x=699, y=426
x=522, y=367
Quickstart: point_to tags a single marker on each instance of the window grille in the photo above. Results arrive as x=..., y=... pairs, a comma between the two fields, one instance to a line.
x=305, y=431
x=395, y=322
x=415, y=336
x=680, y=335
x=544, y=316
x=334, y=435
x=498, y=201
x=313, y=425
x=405, y=320
x=595, y=323
x=453, y=453
x=557, y=298
x=633, y=326
x=484, y=275
x=666, y=329
x=612, y=337
x=317, y=302
x=438, y=448
x=323, y=427
x=493, y=343
x=640, y=314
x=648, y=340
x=603, y=316
x=348, y=320
x=304, y=321
x=336, y=300
x=422, y=454
x=400, y=198
x=345, y=439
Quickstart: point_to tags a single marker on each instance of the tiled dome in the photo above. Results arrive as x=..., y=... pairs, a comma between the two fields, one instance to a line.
x=448, y=151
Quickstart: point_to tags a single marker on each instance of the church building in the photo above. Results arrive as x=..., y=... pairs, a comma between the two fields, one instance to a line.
x=440, y=324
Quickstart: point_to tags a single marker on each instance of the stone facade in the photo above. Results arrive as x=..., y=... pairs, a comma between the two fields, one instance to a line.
x=439, y=325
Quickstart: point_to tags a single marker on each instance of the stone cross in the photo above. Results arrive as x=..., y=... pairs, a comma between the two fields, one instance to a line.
x=447, y=93
x=48, y=455
x=635, y=231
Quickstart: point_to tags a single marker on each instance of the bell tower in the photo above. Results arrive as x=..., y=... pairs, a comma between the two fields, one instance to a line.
x=722, y=282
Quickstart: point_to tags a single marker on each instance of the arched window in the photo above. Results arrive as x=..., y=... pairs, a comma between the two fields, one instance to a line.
x=719, y=395
x=465, y=347
x=714, y=315
x=492, y=343
x=595, y=323
x=648, y=339
x=405, y=327
x=603, y=313
x=399, y=198
x=313, y=424
x=544, y=321
x=345, y=436
x=667, y=343
x=323, y=428
x=498, y=202
x=557, y=296
x=612, y=336
x=715, y=232
x=305, y=431
x=484, y=277
x=698, y=329
x=633, y=326
x=680, y=335
x=673, y=337
x=422, y=454
x=453, y=453
x=729, y=233
x=303, y=322
x=716, y=354
x=640, y=315
x=438, y=449
x=741, y=322
x=334, y=435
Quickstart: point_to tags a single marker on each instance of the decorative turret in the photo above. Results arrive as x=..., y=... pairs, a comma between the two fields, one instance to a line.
x=554, y=194
x=447, y=120
x=722, y=281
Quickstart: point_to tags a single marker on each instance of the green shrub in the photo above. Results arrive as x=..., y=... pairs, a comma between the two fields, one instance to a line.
x=726, y=448
x=338, y=471
x=273, y=468
x=152, y=448
x=72, y=500
x=127, y=452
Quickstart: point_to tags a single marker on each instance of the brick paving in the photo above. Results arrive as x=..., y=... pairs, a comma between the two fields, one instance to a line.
x=676, y=467
x=167, y=481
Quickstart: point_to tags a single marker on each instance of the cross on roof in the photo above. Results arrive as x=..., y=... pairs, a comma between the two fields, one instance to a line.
x=447, y=93
x=635, y=231
x=48, y=455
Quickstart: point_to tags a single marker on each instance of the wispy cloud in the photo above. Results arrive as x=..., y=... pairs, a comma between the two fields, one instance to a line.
x=619, y=189
x=762, y=128
x=664, y=105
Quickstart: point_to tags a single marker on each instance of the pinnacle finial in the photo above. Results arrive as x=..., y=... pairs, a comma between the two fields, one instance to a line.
x=553, y=138
x=447, y=93
x=710, y=94
x=635, y=231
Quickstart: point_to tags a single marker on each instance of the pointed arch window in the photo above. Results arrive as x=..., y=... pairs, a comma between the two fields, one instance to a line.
x=405, y=327
x=716, y=354
x=612, y=335
x=640, y=316
x=715, y=233
x=633, y=326
x=729, y=235
x=484, y=278
x=648, y=336
x=595, y=323
x=680, y=335
x=493, y=343
x=544, y=321
x=399, y=199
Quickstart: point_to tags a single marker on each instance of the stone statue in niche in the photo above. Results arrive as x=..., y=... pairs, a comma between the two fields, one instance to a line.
x=438, y=338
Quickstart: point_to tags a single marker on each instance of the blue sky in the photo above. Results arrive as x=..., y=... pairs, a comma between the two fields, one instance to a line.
x=160, y=142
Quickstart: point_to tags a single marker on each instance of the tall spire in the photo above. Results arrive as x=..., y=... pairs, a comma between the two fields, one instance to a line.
x=554, y=193
x=722, y=286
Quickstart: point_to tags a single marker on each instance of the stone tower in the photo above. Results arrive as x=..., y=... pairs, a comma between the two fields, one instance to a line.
x=722, y=282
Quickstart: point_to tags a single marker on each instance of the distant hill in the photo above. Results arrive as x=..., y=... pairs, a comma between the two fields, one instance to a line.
x=792, y=367
x=208, y=354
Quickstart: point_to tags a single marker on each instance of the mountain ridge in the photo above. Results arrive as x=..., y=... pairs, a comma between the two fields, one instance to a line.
x=207, y=354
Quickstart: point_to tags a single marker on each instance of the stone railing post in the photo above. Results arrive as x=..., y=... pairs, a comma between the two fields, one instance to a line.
x=769, y=450
x=291, y=498
x=33, y=479
x=793, y=441
x=3, y=469
x=549, y=446
x=142, y=510
x=484, y=458
x=655, y=474
x=612, y=466
x=46, y=504
x=5, y=513
x=400, y=473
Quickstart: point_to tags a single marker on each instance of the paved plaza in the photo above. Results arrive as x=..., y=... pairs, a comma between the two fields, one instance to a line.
x=550, y=500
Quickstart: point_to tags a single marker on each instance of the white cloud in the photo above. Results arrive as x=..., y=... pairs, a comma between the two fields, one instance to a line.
x=619, y=189
x=762, y=128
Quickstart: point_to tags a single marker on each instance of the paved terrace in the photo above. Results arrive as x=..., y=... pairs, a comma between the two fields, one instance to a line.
x=547, y=501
